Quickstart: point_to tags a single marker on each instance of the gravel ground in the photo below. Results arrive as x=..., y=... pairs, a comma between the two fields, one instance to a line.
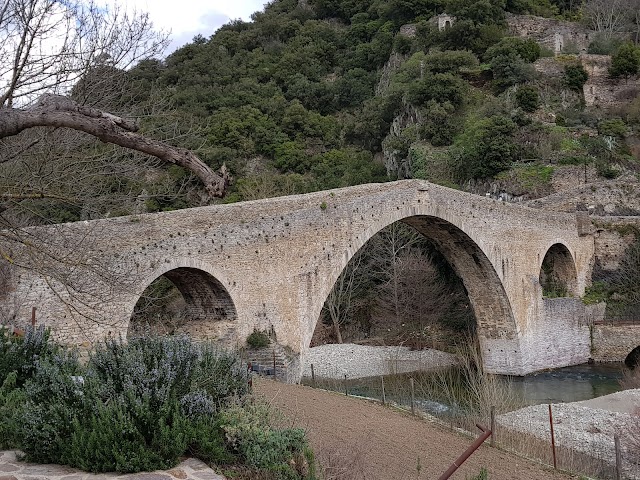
x=358, y=361
x=584, y=428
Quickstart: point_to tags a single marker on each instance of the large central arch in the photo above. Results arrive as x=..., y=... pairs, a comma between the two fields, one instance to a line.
x=484, y=287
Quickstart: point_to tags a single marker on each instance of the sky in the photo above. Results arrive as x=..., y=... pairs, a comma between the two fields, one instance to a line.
x=187, y=18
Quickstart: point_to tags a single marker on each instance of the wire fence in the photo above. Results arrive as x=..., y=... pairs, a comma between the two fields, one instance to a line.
x=597, y=443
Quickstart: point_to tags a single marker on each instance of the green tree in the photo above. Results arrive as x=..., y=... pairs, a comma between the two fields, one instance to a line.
x=486, y=147
x=575, y=76
x=509, y=70
x=528, y=49
x=625, y=62
x=528, y=98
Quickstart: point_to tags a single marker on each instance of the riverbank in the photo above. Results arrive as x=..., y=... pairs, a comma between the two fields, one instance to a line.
x=585, y=429
x=360, y=361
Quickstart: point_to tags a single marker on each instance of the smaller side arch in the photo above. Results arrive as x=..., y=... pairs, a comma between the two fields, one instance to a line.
x=209, y=311
x=633, y=359
x=558, y=276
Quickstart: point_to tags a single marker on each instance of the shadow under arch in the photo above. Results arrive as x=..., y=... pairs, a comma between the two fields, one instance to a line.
x=632, y=360
x=486, y=292
x=558, y=275
x=209, y=311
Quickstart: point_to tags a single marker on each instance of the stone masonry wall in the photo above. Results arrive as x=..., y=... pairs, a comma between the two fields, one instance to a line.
x=602, y=91
x=612, y=343
x=562, y=335
x=557, y=35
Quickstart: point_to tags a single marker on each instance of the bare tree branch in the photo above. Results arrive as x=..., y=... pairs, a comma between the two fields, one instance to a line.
x=58, y=111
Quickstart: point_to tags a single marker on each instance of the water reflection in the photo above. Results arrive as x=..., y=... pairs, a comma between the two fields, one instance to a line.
x=569, y=384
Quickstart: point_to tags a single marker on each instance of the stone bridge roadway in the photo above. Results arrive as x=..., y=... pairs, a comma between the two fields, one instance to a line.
x=270, y=264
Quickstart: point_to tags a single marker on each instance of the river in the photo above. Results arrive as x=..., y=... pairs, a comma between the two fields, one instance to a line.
x=561, y=385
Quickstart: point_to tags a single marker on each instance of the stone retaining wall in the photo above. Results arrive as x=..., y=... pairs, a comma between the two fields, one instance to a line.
x=612, y=343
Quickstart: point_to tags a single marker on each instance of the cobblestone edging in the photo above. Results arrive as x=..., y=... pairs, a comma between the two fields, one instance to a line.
x=12, y=469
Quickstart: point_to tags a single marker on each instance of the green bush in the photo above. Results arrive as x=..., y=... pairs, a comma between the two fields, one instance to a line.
x=528, y=98
x=53, y=400
x=575, y=76
x=626, y=61
x=249, y=432
x=220, y=374
x=20, y=354
x=527, y=49
x=115, y=436
x=258, y=339
x=596, y=293
x=604, y=169
x=614, y=127
x=136, y=406
x=602, y=45
x=486, y=147
x=12, y=400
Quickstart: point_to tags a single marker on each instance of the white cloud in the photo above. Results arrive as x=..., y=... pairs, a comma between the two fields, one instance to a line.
x=187, y=18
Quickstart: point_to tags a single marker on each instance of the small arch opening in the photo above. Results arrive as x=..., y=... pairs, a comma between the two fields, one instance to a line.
x=185, y=301
x=558, y=276
x=632, y=360
x=447, y=24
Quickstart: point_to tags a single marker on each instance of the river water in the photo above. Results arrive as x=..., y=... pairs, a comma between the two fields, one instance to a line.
x=569, y=384
x=562, y=385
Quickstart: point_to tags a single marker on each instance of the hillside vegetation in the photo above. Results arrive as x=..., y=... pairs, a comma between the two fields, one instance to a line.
x=321, y=94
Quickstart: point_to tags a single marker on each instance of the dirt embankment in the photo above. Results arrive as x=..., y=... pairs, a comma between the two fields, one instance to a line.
x=378, y=443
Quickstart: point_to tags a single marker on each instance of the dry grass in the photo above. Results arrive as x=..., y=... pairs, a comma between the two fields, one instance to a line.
x=631, y=379
x=339, y=461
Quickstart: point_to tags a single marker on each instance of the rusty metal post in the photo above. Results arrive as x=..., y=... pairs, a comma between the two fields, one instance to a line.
x=346, y=390
x=493, y=426
x=472, y=448
x=413, y=396
x=384, y=396
x=553, y=439
x=33, y=316
x=313, y=377
x=616, y=442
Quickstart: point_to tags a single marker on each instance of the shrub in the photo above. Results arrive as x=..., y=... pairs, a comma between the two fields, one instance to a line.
x=626, y=61
x=602, y=45
x=575, y=76
x=113, y=436
x=258, y=339
x=614, y=127
x=486, y=147
x=527, y=49
x=528, y=98
x=508, y=70
x=53, y=401
x=12, y=400
x=221, y=374
x=249, y=432
x=140, y=406
x=20, y=354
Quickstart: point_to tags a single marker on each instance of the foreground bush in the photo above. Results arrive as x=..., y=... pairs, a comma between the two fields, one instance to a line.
x=140, y=406
x=19, y=353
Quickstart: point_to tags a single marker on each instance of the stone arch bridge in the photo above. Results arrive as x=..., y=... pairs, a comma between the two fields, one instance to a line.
x=270, y=264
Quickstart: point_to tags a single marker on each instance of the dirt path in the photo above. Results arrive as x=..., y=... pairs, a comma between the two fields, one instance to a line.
x=384, y=444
